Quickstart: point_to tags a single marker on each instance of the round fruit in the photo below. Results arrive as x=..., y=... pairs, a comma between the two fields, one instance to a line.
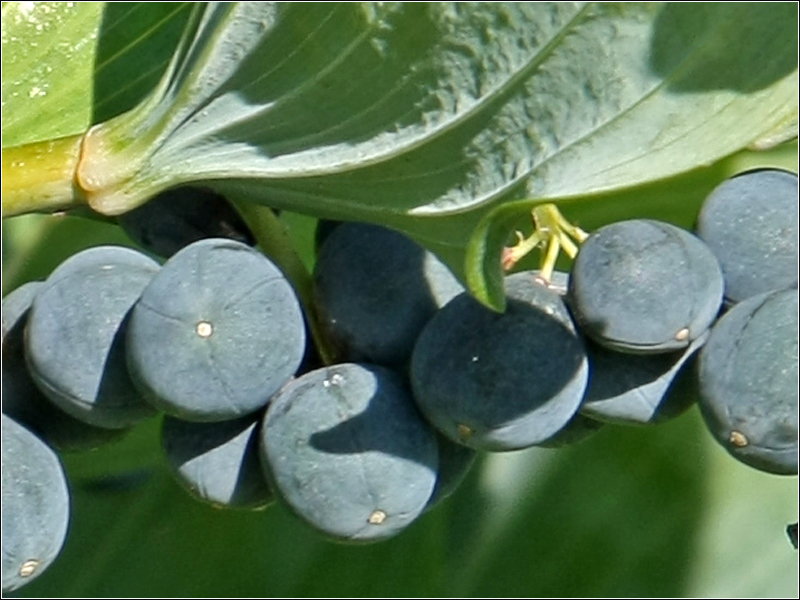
x=375, y=291
x=501, y=381
x=748, y=373
x=348, y=452
x=750, y=224
x=215, y=333
x=35, y=505
x=218, y=462
x=75, y=335
x=644, y=286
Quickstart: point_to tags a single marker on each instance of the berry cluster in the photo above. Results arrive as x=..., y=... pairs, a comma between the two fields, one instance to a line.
x=424, y=377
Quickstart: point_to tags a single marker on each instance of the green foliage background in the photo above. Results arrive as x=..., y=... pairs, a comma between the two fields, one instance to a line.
x=658, y=511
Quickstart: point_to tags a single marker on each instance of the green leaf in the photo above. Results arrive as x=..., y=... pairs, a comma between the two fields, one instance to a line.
x=48, y=57
x=785, y=131
x=426, y=116
x=67, y=65
x=136, y=41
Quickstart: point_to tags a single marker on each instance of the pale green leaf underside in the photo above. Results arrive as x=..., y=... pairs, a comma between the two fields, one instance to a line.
x=428, y=116
x=560, y=99
x=409, y=113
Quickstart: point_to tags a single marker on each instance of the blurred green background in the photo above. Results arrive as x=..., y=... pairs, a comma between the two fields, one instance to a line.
x=659, y=511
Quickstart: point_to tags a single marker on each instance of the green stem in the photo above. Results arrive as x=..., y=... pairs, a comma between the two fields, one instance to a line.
x=273, y=240
x=40, y=177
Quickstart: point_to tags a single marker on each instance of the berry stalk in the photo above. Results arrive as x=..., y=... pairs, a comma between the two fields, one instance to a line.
x=273, y=239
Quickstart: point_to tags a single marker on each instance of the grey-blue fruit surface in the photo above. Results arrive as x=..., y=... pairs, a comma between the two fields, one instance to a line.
x=75, y=335
x=748, y=373
x=375, y=290
x=501, y=381
x=750, y=224
x=180, y=216
x=558, y=281
x=23, y=401
x=17, y=303
x=218, y=462
x=638, y=389
x=215, y=333
x=346, y=449
x=645, y=286
x=35, y=505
